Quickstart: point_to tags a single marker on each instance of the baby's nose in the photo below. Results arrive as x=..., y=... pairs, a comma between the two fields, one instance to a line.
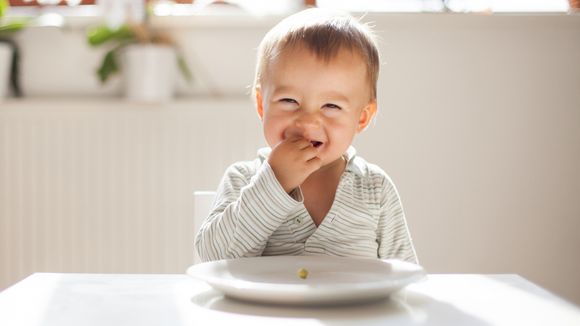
x=308, y=120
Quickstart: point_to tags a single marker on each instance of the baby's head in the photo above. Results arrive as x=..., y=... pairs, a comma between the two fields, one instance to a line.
x=324, y=33
x=316, y=78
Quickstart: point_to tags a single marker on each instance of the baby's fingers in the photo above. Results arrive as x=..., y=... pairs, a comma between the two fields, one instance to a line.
x=308, y=153
x=313, y=164
x=302, y=143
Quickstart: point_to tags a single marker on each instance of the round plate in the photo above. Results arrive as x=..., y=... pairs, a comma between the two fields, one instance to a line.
x=330, y=280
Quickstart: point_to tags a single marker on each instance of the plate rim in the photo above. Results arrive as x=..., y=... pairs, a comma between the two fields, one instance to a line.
x=305, y=291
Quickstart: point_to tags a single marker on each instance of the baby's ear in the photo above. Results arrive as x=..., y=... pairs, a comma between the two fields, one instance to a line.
x=259, y=103
x=367, y=114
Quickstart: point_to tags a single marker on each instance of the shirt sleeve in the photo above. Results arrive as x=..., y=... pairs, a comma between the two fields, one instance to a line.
x=246, y=212
x=393, y=234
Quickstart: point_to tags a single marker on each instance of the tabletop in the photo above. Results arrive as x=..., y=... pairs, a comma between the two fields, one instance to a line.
x=144, y=299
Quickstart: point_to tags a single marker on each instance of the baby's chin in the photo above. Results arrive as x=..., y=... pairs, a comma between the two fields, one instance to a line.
x=330, y=163
x=328, y=158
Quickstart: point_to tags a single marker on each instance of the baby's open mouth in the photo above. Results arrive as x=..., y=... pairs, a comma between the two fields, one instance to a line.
x=316, y=143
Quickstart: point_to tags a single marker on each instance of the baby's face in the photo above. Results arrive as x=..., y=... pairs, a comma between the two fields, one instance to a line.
x=326, y=103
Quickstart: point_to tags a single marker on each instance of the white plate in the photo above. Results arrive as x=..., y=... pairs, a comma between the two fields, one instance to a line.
x=331, y=280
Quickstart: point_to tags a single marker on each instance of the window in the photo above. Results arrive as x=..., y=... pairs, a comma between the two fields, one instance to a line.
x=451, y=5
x=20, y=3
x=356, y=5
x=384, y=5
x=508, y=5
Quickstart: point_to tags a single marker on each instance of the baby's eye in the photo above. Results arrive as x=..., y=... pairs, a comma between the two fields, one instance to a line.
x=332, y=106
x=289, y=100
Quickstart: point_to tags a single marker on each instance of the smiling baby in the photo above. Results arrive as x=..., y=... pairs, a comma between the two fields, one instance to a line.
x=308, y=193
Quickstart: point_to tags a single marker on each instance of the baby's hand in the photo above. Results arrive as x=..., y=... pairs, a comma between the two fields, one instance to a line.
x=292, y=161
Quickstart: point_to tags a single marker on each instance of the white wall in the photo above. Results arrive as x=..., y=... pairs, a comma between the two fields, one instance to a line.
x=479, y=127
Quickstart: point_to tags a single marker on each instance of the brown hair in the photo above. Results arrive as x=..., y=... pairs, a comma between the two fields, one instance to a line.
x=324, y=33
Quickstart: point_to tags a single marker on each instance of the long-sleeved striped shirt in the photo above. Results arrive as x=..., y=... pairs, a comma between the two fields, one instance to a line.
x=253, y=216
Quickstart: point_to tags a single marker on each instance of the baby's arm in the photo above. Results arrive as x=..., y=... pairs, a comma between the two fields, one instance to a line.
x=247, y=210
x=393, y=235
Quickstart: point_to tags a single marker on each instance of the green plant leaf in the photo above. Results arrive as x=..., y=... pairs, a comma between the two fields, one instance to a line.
x=184, y=68
x=3, y=7
x=103, y=34
x=109, y=66
x=12, y=27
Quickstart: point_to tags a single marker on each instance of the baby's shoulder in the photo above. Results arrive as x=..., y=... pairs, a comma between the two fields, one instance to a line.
x=364, y=169
x=370, y=173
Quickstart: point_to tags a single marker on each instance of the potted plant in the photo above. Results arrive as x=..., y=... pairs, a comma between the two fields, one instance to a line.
x=149, y=58
x=9, y=53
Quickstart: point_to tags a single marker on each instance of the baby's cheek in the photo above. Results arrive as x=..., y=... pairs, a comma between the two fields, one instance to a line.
x=273, y=134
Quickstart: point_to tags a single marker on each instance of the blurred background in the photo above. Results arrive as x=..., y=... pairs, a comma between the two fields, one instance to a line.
x=113, y=112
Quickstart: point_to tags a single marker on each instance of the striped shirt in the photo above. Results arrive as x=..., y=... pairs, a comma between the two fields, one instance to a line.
x=253, y=216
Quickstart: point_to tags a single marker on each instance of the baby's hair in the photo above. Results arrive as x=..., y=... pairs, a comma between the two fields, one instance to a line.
x=324, y=33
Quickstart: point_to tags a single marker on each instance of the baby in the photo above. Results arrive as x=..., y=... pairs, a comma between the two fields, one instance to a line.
x=309, y=193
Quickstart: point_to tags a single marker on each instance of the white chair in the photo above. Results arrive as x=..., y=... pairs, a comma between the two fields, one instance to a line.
x=202, y=204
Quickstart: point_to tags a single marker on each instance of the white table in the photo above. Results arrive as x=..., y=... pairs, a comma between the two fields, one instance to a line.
x=124, y=300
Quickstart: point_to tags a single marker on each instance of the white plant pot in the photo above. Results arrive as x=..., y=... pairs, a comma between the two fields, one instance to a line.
x=5, y=61
x=150, y=72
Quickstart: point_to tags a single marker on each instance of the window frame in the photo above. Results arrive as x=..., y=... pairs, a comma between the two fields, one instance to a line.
x=22, y=3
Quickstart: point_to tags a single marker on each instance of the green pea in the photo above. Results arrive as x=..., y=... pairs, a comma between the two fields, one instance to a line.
x=302, y=273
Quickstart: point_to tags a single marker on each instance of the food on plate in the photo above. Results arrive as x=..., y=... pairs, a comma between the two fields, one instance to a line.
x=303, y=273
